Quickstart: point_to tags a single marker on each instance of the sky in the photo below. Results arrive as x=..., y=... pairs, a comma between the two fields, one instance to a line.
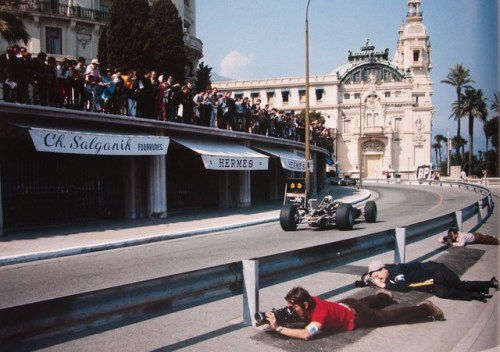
x=254, y=39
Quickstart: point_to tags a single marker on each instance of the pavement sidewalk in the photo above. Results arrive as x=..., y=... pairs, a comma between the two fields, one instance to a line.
x=32, y=245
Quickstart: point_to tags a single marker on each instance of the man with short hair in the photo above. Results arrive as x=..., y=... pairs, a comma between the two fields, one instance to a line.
x=349, y=313
x=461, y=239
x=443, y=282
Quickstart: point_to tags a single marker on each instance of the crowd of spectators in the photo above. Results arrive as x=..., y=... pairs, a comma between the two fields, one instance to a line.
x=74, y=84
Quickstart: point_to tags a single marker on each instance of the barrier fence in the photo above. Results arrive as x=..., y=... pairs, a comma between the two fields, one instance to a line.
x=134, y=301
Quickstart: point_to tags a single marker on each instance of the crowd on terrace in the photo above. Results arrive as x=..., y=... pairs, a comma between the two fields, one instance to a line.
x=74, y=84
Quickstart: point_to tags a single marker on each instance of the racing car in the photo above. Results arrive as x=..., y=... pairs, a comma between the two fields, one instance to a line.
x=298, y=209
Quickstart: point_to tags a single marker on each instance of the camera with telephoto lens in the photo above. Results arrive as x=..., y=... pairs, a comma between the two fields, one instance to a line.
x=366, y=280
x=285, y=316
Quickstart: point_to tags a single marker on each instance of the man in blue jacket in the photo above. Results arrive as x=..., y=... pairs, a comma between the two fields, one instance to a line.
x=442, y=282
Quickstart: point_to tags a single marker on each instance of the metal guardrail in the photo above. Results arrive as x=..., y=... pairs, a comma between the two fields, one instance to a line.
x=60, y=316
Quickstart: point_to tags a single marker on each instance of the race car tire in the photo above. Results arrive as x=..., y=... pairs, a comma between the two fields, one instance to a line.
x=289, y=217
x=371, y=211
x=345, y=217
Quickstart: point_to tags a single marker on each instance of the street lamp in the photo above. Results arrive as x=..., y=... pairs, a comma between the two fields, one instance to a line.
x=360, y=162
x=307, y=137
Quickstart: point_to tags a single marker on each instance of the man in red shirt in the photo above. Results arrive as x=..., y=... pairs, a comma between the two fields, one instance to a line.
x=349, y=313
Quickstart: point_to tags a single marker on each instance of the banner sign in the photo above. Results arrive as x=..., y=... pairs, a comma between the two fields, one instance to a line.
x=72, y=142
x=295, y=165
x=216, y=162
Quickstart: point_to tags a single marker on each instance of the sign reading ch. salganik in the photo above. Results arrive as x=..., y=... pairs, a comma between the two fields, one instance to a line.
x=75, y=142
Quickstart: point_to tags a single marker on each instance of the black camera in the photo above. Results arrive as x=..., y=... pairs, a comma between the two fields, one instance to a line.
x=366, y=280
x=285, y=316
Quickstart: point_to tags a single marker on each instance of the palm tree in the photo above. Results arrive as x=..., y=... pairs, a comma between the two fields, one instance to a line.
x=495, y=107
x=474, y=106
x=437, y=147
x=12, y=29
x=459, y=77
x=439, y=138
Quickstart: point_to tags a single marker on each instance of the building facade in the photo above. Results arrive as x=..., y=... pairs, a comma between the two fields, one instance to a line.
x=71, y=28
x=379, y=111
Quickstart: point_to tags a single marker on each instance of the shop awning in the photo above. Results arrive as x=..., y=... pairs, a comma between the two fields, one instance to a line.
x=97, y=143
x=217, y=155
x=290, y=160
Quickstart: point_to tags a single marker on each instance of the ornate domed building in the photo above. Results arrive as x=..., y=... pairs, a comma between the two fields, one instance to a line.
x=378, y=110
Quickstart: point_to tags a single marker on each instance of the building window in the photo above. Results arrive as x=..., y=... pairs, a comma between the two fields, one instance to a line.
x=53, y=40
x=357, y=77
x=270, y=98
x=357, y=95
x=397, y=93
x=238, y=96
x=319, y=94
x=302, y=96
x=286, y=96
x=347, y=96
x=397, y=124
x=416, y=55
x=187, y=27
x=387, y=94
x=253, y=97
x=347, y=126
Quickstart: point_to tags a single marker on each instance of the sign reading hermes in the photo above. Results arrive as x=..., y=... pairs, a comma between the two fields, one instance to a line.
x=72, y=142
x=234, y=163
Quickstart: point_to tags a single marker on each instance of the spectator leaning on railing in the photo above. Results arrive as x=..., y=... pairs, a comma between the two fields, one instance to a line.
x=41, y=80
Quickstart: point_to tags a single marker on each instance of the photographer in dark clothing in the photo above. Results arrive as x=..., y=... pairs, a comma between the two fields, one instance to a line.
x=443, y=282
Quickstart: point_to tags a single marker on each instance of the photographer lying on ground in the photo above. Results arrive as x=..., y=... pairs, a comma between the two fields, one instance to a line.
x=348, y=314
x=460, y=239
x=436, y=277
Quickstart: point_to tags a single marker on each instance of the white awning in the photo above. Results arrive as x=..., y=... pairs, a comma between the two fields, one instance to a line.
x=289, y=160
x=97, y=143
x=217, y=155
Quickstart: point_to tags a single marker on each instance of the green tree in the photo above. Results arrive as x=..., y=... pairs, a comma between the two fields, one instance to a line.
x=203, y=77
x=439, y=138
x=459, y=77
x=474, y=106
x=437, y=147
x=167, y=52
x=102, y=47
x=127, y=41
x=489, y=130
x=12, y=28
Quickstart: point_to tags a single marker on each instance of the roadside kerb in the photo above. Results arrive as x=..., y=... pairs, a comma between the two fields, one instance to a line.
x=185, y=290
x=64, y=252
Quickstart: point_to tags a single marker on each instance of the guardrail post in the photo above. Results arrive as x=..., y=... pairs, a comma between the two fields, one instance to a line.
x=400, y=247
x=490, y=204
x=250, y=290
x=479, y=212
x=458, y=220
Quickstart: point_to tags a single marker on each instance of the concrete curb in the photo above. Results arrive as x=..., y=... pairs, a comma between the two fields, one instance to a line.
x=69, y=251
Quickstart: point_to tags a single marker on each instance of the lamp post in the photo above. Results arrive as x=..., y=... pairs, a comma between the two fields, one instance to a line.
x=307, y=137
x=448, y=148
x=361, y=136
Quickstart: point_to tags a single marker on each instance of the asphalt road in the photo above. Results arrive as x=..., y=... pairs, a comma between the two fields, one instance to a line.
x=30, y=282
x=217, y=326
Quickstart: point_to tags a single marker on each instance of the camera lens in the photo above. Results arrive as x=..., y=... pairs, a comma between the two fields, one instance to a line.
x=260, y=318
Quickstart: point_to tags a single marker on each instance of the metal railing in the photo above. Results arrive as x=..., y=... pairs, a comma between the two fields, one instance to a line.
x=55, y=9
x=185, y=290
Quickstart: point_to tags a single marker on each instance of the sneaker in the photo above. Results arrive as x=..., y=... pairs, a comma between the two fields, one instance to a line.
x=385, y=292
x=435, y=311
x=494, y=283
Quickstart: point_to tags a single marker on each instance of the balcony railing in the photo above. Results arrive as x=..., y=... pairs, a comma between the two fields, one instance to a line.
x=49, y=8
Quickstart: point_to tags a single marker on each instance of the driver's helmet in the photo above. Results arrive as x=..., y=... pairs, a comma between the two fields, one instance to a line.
x=328, y=199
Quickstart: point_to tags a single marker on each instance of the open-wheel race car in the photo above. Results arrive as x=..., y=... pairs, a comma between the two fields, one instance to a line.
x=298, y=209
